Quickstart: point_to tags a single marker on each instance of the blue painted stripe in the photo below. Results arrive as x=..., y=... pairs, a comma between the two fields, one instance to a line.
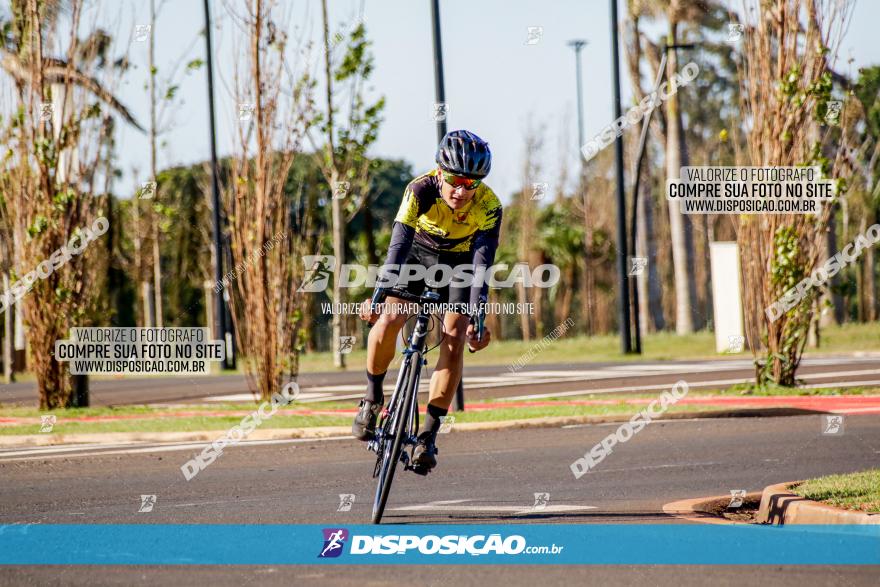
x=588, y=544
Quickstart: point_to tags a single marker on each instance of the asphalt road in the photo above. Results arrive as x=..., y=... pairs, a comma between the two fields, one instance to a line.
x=483, y=477
x=482, y=382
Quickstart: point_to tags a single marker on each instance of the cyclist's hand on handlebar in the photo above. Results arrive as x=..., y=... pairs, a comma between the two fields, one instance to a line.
x=366, y=314
x=474, y=344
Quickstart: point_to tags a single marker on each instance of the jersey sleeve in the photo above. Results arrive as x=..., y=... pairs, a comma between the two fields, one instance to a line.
x=490, y=220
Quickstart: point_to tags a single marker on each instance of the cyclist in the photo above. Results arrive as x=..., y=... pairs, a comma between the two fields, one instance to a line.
x=447, y=216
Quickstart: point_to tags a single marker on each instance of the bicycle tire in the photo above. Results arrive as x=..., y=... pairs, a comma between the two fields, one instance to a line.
x=391, y=457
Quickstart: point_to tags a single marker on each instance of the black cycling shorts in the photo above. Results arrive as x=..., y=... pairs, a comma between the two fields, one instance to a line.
x=451, y=294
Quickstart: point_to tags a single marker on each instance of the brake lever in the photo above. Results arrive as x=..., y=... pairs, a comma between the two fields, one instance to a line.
x=477, y=321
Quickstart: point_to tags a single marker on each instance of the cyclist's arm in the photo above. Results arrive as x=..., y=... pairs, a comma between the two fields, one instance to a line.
x=398, y=249
x=485, y=245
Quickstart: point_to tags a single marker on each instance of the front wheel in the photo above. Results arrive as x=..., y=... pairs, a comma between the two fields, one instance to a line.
x=394, y=445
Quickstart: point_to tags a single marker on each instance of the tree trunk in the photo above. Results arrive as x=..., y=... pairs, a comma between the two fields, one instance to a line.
x=8, y=372
x=537, y=258
x=153, y=215
x=524, y=316
x=149, y=301
x=369, y=236
x=838, y=310
x=861, y=267
x=870, y=285
x=650, y=295
x=565, y=295
x=681, y=232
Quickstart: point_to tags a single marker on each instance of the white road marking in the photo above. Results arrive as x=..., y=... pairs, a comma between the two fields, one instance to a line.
x=455, y=505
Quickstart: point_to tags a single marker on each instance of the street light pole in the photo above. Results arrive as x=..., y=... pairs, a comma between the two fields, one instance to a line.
x=577, y=45
x=219, y=302
x=439, y=90
x=637, y=177
x=440, y=98
x=622, y=282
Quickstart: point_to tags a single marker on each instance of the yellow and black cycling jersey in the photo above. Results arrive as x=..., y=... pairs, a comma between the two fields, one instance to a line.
x=439, y=227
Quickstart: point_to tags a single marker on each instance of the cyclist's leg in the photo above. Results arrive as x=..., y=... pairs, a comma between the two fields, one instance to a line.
x=380, y=351
x=381, y=343
x=444, y=381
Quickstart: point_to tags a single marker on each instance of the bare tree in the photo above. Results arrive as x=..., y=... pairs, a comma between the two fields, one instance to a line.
x=786, y=85
x=57, y=145
x=343, y=159
x=267, y=226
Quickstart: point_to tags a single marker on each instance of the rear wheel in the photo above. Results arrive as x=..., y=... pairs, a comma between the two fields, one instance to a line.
x=393, y=445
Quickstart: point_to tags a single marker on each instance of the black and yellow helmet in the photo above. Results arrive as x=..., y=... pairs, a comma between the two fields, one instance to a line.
x=463, y=153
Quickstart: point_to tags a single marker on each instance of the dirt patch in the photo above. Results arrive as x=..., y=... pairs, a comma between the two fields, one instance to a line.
x=744, y=514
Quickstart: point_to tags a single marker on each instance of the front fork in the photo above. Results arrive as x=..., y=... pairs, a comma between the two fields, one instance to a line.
x=415, y=346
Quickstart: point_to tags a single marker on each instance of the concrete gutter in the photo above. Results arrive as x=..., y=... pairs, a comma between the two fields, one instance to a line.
x=31, y=440
x=705, y=509
x=780, y=506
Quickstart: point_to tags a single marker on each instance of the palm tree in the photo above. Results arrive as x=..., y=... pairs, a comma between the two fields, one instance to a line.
x=678, y=12
x=562, y=242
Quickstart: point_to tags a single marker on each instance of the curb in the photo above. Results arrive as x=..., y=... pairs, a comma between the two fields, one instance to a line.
x=31, y=440
x=780, y=506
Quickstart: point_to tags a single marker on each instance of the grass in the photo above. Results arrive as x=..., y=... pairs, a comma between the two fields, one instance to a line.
x=778, y=390
x=856, y=491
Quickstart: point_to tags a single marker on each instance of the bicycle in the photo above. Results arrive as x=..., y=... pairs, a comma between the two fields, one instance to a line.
x=398, y=425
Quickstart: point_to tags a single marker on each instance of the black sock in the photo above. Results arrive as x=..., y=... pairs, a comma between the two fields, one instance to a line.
x=374, y=388
x=432, y=422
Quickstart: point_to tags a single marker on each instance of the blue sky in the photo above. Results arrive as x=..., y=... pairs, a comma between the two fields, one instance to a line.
x=495, y=82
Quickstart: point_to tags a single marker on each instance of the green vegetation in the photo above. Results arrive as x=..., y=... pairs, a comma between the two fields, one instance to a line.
x=856, y=491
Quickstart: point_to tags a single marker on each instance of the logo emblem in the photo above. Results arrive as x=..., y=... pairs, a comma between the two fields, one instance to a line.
x=47, y=422
x=832, y=115
x=541, y=501
x=346, y=344
x=320, y=268
x=147, y=503
x=637, y=265
x=735, y=31
x=346, y=500
x=334, y=540
x=539, y=190
x=832, y=424
x=534, y=35
x=439, y=111
x=737, y=497
x=446, y=423
x=735, y=343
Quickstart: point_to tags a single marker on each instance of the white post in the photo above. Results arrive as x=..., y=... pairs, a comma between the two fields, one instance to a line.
x=726, y=297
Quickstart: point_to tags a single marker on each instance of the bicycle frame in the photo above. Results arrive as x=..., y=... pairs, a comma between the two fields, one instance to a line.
x=392, y=434
x=413, y=356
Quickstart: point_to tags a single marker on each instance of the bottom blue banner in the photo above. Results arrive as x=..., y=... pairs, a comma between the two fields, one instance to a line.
x=556, y=544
